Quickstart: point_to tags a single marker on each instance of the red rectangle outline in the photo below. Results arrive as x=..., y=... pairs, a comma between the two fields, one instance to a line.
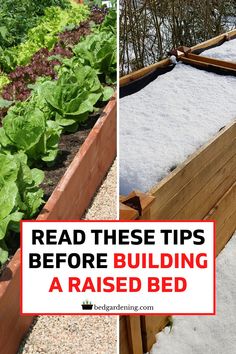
x=119, y=313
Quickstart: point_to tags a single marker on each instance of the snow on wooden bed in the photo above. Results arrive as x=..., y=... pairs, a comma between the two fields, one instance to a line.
x=161, y=125
x=207, y=334
x=226, y=51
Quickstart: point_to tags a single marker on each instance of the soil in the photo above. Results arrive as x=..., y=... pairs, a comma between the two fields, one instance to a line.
x=68, y=147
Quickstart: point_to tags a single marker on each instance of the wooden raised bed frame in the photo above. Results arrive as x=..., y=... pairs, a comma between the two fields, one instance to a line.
x=203, y=187
x=69, y=200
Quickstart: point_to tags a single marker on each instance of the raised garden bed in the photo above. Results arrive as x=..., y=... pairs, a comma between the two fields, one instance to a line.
x=69, y=200
x=202, y=187
x=207, y=334
x=84, y=157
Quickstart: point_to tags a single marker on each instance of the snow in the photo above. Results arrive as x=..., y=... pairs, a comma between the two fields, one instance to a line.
x=226, y=51
x=210, y=334
x=161, y=125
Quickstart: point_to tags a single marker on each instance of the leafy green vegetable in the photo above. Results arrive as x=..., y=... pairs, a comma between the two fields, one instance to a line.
x=109, y=23
x=74, y=96
x=3, y=81
x=32, y=129
x=43, y=35
x=99, y=52
x=20, y=195
x=18, y=17
x=26, y=128
x=5, y=103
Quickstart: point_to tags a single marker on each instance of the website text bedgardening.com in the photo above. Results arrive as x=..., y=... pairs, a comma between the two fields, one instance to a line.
x=119, y=307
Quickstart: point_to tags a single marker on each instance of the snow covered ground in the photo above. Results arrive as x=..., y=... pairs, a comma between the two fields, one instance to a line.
x=161, y=125
x=226, y=51
x=212, y=334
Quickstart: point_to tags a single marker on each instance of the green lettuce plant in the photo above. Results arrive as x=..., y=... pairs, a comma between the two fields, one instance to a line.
x=20, y=195
x=74, y=95
x=18, y=16
x=44, y=35
x=27, y=128
x=99, y=51
x=3, y=81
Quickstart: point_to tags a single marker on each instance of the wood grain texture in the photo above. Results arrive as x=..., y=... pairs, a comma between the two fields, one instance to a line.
x=211, y=166
x=214, y=41
x=123, y=334
x=224, y=212
x=144, y=71
x=12, y=326
x=208, y=66
x=217, y=62
x=134, y=335
x=150, y=326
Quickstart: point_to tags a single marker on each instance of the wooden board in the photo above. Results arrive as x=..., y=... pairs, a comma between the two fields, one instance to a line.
x=224, y=212
x=189, y=180
x=214, y=41
x=130, y=335
x=208, y=66
x=164, y=63
x=124, y=346
x=144, y=71
x=217, y=62
x=12, y=326
x=150, y=326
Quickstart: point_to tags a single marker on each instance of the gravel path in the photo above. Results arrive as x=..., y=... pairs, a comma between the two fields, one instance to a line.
x=79, y=334
x=71, y=335
x=104, y=204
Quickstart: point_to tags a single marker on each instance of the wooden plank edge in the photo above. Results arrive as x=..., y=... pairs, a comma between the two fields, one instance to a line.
x=194, y=185
x=206, y=197
x=13, y=327
x=213, y=41
x=134, y=334
x=208, y=66
x=127, y=213
x=193, y=158
x=97, y=153
x=123, y=336
x=209, y=60
x=165, y=62
x=150, y=326
x=144, y=71
x=224, y=213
